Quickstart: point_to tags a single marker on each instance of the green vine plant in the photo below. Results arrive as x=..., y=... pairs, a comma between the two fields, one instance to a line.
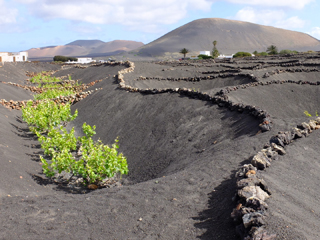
x=82, y=157
x=43, y=77
x=46, y=115
x=309, y=115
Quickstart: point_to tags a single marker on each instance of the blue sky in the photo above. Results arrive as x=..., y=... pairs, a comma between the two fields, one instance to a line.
x=26, y=24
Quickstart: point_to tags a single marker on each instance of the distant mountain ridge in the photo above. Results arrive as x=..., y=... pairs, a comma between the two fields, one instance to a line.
x=231, y=36
x=80, y=48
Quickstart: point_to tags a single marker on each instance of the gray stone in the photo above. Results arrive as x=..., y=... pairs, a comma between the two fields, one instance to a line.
x=247, y=182
x=277, y=140
x=305, y=132
x=259, y=233
x=244, y=169
x=313, y=124
x=273, y=155
x=304, y=126
x=256, y=204
x=280, y=150
x=285, y=137
x=253, y=219
x=261, y=161
x=265, y=127
x=253, y=192
x=296, y=133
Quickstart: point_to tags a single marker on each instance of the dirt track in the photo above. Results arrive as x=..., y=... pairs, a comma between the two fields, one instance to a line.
x=182, y=154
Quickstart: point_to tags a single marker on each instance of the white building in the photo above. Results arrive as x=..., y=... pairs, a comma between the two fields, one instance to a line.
x=82, y=61
x=208, y=53
x=13, y=57
x=222, y=56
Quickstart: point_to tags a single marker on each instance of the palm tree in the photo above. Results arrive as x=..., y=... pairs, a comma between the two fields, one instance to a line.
x=184, y=51
x=272, y=50
x=215, y=43
x=215, y=52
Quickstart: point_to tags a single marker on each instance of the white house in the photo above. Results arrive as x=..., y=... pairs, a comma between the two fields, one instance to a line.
x=205, y=53
x=222, y=56
x=13, y=57
x=83, y=61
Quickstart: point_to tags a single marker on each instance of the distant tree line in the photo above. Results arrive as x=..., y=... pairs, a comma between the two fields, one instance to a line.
x=271, y=50
x=214, y=53
x=59, y=58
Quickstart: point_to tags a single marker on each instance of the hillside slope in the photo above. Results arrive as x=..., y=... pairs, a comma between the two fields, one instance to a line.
x=232, y=36
x=84, y=48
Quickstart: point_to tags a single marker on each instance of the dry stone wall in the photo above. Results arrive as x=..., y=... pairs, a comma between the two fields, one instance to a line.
x=81, y=94
x=253, y=191
x=221, y=98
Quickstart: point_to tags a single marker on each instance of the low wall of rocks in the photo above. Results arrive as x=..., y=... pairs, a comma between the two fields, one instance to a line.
x=253, y=191
x=291, y=70
x=200, y=78
x=221, y=99
x=38, y=90
x=64, y=99
x=17, y=105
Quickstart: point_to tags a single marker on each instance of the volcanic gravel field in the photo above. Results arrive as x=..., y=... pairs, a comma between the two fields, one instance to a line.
x=186, y=129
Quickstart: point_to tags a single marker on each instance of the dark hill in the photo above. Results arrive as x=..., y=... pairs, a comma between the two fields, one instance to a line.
x=82, y=48
x=86, y=43
x=232, y=36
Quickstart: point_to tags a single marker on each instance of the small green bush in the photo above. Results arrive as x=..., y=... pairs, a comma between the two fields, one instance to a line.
x=202, y=56
x=309, y=115
x=286, y=51
x=46, y=114
x=93, y=162
x=44, y=78
x=60, y=58
x=257, y=54
x=53, y=93
x=97, y=161
x=263, y=54
x=242, y=54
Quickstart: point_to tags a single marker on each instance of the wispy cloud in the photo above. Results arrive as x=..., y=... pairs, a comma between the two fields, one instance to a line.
x=277, y=18
x=315, y=32
x=7, y=15
x=295, y=4
x=124, y=12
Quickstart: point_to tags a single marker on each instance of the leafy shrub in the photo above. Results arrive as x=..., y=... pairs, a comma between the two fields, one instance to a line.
x=46, y=114
x=93, y=162
x=309, y=115
x=53, y=93
x=263, y=54
x=57, y=140
x=286, y=51
x=97, y=161
x=202, y=56
x=260, y=54
x=272, y=50
x=60, y=58
x=44, y=78
x=242, y=54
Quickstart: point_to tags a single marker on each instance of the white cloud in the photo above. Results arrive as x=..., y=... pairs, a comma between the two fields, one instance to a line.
x=84, y=30
x=7, y=15
x=265, y=17
x=291, y=23
x=315, y=32
x=150, y=16
x=145, y=13
x=277, y=18
x=296, y=4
